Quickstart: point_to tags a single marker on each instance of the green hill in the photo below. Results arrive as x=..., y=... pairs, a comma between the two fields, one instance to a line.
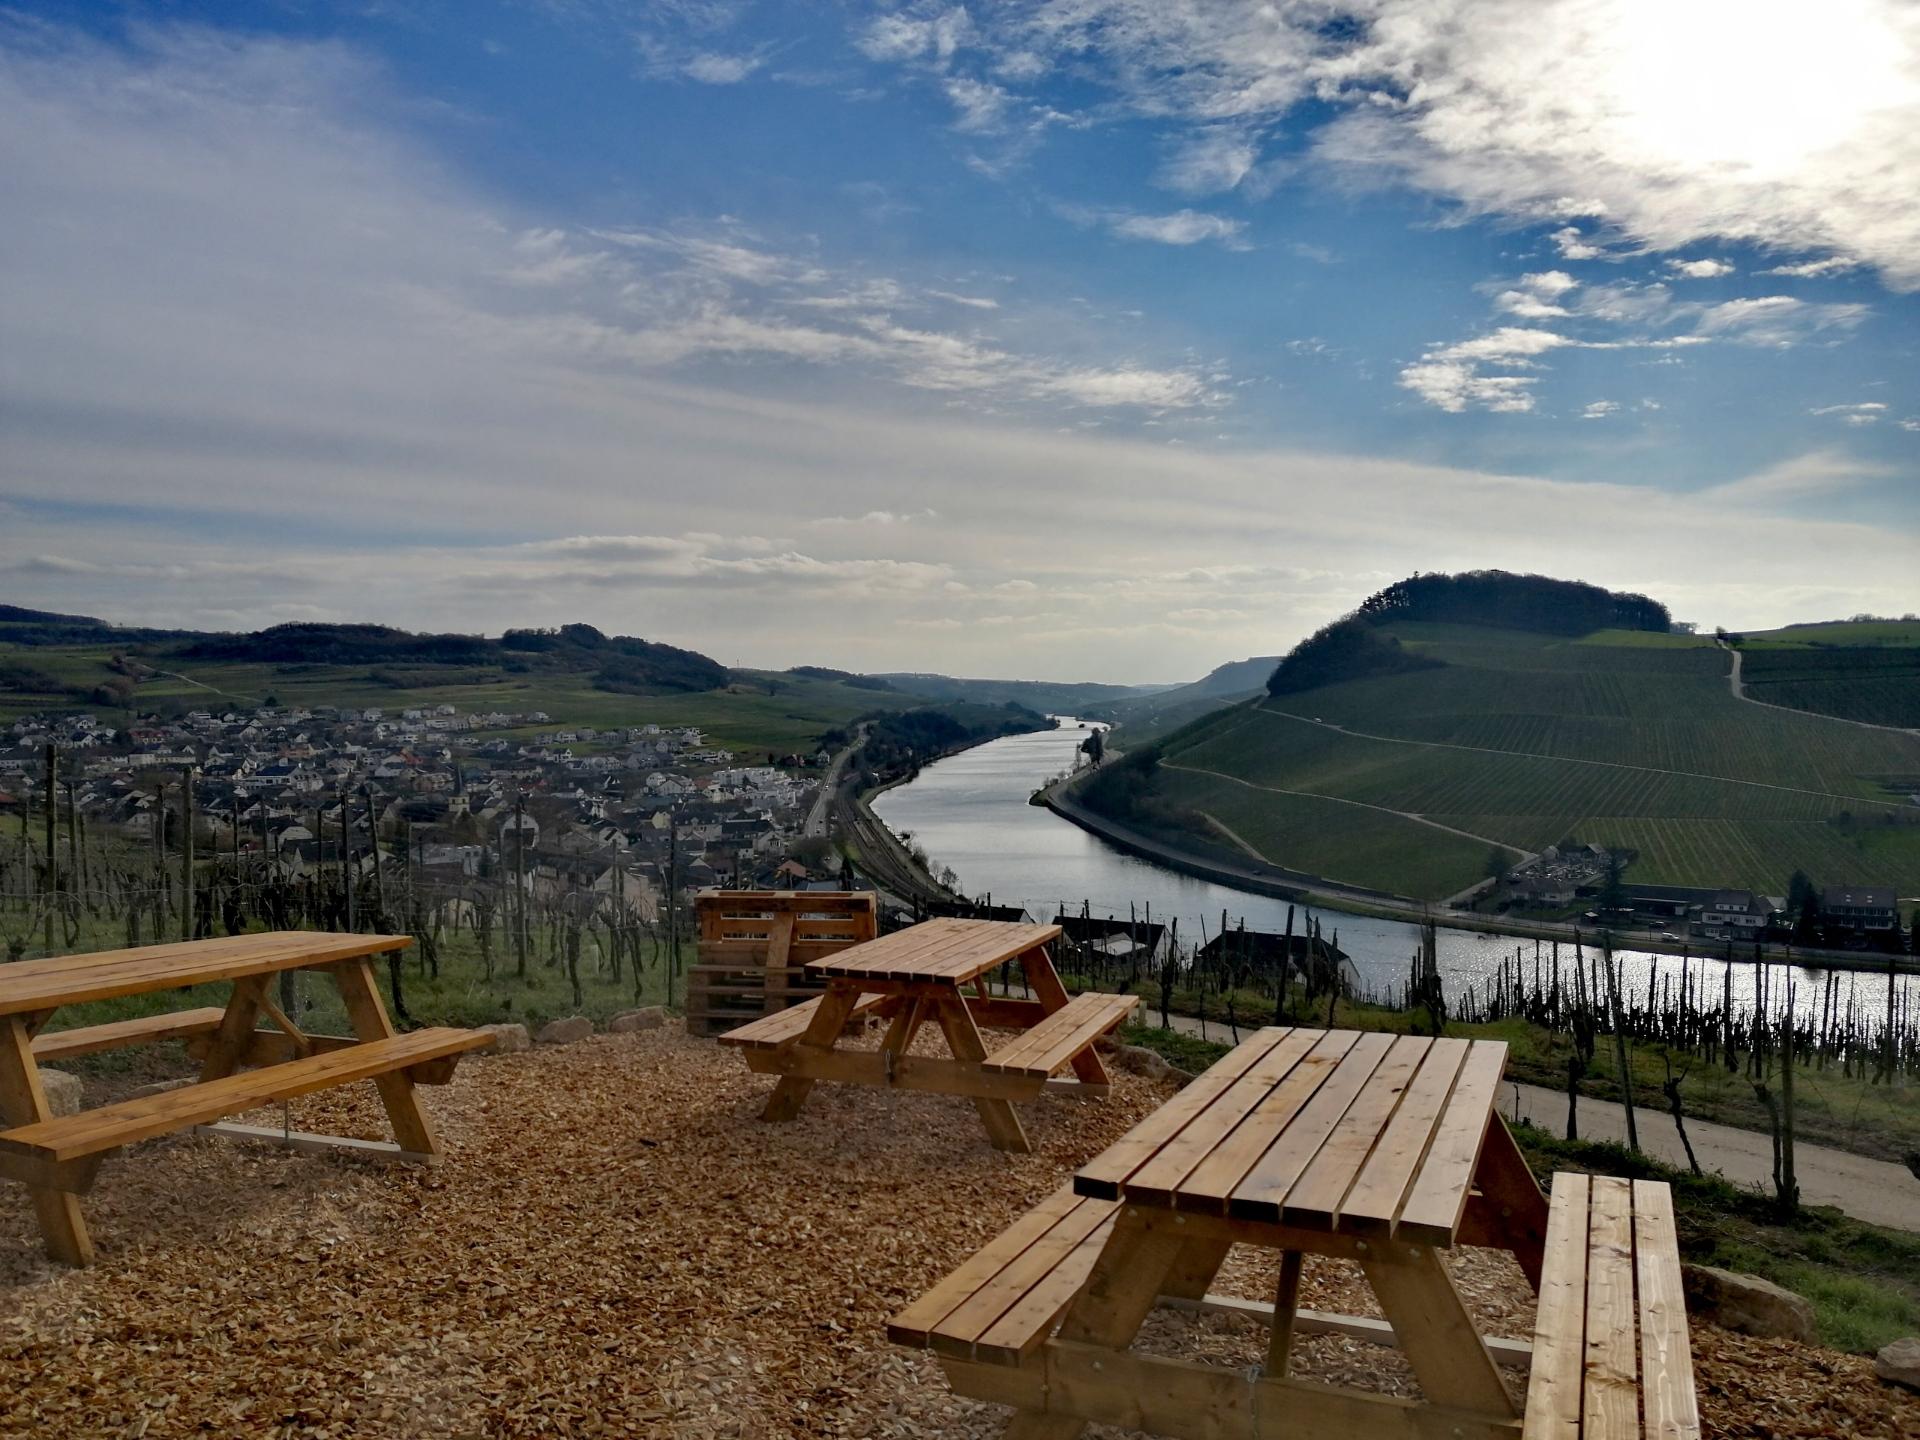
x=1858, y=670
x=1466, y=737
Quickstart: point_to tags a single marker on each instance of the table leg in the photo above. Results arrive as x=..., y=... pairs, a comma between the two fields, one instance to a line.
x=1286, y=1302
x=361, y=994
x=1435, y=1332
x=1044, y=982
x=1199, y=1263
x=227, y=1046
x=23, y=1101
x=1507, y=1184
x=1131, y=1274
x=823, y=1033
x=963, y=1039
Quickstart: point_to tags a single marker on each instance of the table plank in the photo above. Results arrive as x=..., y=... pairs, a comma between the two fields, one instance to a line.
x=1102, y=1176
x=948, y=952
x=1373, y=1204
x=1211, y=1185
x=1439, y=1195
x=1315, y=1200
x=1262, y=1193
x=1156, y=1182
x=45, y=984
x=1553, y=1382
x=1666, y=1357
x=1610, y=1396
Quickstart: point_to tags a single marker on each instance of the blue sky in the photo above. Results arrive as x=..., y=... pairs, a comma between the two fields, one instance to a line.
x=1100, y=338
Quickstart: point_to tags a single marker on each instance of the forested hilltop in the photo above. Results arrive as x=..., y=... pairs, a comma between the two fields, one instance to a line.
x=1361, y=644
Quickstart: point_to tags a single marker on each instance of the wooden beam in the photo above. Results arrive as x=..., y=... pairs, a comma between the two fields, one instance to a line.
x=1517, y=1354
x=1079, y=1383
x=908, y=1072
x=384, y=1151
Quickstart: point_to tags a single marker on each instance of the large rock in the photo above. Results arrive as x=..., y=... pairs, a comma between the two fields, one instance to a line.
x=507, y=1039
x=1139, y=1060
x=1746, y=1303
x=63, y=1091
x=160, y=1087
x=1899, y=1363
x=651, y=1018
x=564, y=1032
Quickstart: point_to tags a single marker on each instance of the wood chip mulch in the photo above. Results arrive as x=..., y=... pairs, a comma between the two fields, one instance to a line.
x=617, y=1246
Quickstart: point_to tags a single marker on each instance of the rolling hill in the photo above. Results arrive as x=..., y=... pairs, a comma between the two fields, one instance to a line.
x=1858, y=670
x=1422, y=745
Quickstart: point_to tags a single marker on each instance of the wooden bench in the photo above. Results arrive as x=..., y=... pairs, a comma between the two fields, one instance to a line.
x=1610, y=1350
x=89, y=1135
x=121, y=1034
x=1051, y=1045
x=784, y=1027
x=1001, y=1305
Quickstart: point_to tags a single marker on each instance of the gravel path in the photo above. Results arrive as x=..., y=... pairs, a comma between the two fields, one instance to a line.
x=615, y=1246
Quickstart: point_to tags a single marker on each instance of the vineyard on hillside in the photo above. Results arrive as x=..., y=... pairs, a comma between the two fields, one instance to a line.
x=1626, y=739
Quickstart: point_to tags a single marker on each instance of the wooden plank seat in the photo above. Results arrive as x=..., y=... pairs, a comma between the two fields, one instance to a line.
x=92, y=1133
x=1001, y=1305
x=1052, y=1044
x=783, y=1027
x=120, y=1034
x=1610, y=1348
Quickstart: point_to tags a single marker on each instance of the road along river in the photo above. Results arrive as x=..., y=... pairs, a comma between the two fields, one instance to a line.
x=970, y=811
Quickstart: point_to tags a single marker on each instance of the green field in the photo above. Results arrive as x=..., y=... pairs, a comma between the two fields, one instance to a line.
x=762, y=711
x=1525, y=739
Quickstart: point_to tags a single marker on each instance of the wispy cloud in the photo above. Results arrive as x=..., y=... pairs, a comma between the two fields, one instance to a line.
x=1707, y=269
x=1866, y=412
x=1182, y=227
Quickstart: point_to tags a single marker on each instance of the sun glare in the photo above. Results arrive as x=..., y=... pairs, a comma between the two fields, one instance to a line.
x=1760, y=88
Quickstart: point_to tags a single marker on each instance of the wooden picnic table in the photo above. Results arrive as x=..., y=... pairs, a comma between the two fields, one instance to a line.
x=916, y=976
x=57, y=1157
x=1384, y=1150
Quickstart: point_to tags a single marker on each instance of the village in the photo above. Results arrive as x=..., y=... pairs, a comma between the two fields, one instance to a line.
x=292, y=792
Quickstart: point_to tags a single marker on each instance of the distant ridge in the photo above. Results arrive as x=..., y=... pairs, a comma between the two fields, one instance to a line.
x=21, y=615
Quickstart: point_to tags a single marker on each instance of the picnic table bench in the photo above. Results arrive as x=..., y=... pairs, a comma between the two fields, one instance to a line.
x=57, y=1157
x=915, y=976
x=1383, y=1150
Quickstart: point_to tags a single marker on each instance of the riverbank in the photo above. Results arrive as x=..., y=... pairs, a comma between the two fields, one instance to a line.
x=1299, y=888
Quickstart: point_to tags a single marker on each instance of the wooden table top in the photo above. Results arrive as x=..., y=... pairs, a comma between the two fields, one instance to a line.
x=936, y=952
x=34, y=985
x=1367, y=1134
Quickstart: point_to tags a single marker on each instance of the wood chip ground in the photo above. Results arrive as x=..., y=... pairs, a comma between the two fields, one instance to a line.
x=616, y=1246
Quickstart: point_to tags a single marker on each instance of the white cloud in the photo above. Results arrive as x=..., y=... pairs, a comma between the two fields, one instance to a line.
x=1575, y=246
x=1814, y=269
x=1777, y=320
x=1211, y=160
x=713, y=68
x=1535, y=296
x=1665, y=127
x=1818, y=473
x=1599, y=409
x=1182, y=227
x=1699, y=269
x=1912, y=422
x=1867, y=412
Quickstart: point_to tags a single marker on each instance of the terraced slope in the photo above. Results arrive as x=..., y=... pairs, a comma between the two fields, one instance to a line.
x=1404, y=782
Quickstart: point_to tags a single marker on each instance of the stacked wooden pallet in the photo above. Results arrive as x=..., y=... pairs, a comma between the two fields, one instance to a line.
x=754, y=945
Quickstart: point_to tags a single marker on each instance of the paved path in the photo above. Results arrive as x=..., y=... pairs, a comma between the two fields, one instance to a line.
x=1876, y=1191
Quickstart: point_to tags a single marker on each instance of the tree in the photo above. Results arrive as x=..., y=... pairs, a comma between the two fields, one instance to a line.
x=1495, y=865
x=1094, y=746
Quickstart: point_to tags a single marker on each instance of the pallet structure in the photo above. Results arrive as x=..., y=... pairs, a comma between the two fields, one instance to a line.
x=754, y=947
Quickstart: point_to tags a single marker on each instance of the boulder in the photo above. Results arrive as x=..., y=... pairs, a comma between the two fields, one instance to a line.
x=507, y=1039
x=1746, y=1303
x=63, y=1091
x=1139, y=1060
x=1899, y=1363
x=564, y=1032
x=651, y=1018
x=160, y=1087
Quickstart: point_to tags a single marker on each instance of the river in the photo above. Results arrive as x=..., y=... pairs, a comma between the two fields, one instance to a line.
x=970, y=811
